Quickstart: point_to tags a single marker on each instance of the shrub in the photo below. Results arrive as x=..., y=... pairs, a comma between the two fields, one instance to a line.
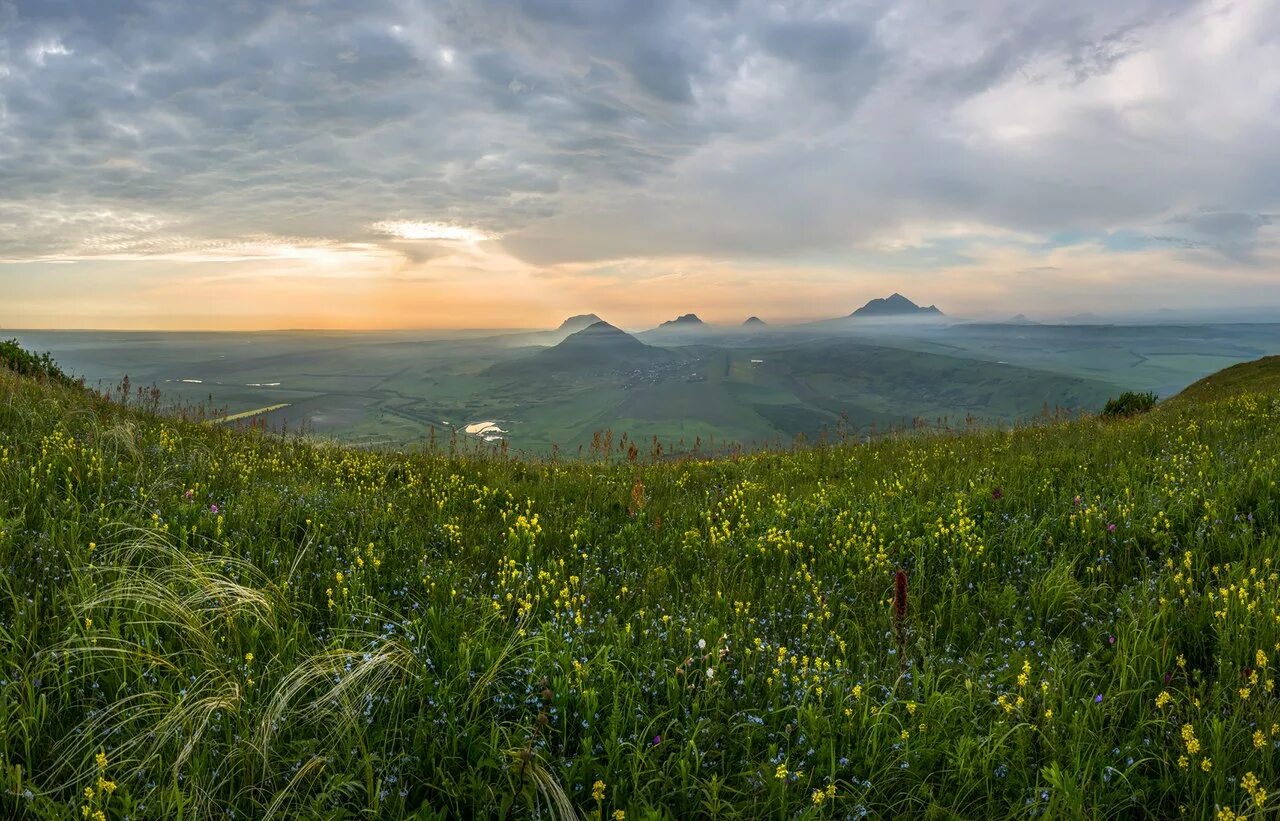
x=19, y=360
x=1129, y=403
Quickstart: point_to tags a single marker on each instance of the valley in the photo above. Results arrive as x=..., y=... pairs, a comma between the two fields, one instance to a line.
x=686, y=384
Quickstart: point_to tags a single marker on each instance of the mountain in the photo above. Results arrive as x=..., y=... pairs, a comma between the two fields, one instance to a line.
x=1020, y=319
x=576, y=323
x=596, y=348
x=754, y=322
x=599, y=337
x=895, y=305
x=684, y=322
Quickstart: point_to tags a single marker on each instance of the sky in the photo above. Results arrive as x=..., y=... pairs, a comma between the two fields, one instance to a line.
x=436, y=164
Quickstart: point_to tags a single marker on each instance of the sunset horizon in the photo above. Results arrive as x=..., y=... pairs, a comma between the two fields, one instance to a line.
x=456, y=166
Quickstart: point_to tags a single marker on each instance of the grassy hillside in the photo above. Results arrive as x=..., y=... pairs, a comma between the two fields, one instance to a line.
x=1259, y=376
x=204, y=622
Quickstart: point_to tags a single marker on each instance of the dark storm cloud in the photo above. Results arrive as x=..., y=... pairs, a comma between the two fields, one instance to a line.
x=590, y=129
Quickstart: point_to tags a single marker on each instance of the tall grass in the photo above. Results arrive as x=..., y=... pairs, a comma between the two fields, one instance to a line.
x=199, y=622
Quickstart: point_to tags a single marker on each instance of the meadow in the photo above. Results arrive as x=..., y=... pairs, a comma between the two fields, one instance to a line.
x=1066, y=619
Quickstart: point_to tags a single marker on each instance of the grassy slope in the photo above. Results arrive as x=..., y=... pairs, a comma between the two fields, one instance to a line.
x=1260, y=376
x=240, y=623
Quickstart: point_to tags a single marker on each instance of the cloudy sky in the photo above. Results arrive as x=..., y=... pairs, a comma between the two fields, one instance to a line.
x=425, y=163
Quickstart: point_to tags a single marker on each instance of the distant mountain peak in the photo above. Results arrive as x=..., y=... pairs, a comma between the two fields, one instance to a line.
x=895, y=305
x=601, y=343
x=684, y=320
x=597, y=348
x=754, y=321
x=598, y=339
x=598, y=330
x=578, y=322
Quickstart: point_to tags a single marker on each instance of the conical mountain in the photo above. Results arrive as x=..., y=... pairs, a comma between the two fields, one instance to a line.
x=754, y=322
x=598, y=337
x=597, y=348
x=895, y=305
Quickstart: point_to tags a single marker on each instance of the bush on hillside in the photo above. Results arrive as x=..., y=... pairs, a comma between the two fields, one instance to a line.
x=1129, y=403
x=19, y=360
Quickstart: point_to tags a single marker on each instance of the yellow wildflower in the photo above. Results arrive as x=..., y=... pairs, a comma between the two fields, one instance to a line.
x=1189, y=738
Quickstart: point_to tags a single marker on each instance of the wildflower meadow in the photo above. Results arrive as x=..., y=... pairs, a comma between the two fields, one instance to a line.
x=1068, y=619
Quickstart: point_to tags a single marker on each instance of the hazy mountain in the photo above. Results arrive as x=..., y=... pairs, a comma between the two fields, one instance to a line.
x=754, y=322
x=1020, y=319
x=596, y=348
x=895, y=305
x=576, y=323
x=599, y=337
x=685, y=322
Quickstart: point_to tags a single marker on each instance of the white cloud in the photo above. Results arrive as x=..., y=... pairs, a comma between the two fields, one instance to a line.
x=47, y=48
x=437, y=231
